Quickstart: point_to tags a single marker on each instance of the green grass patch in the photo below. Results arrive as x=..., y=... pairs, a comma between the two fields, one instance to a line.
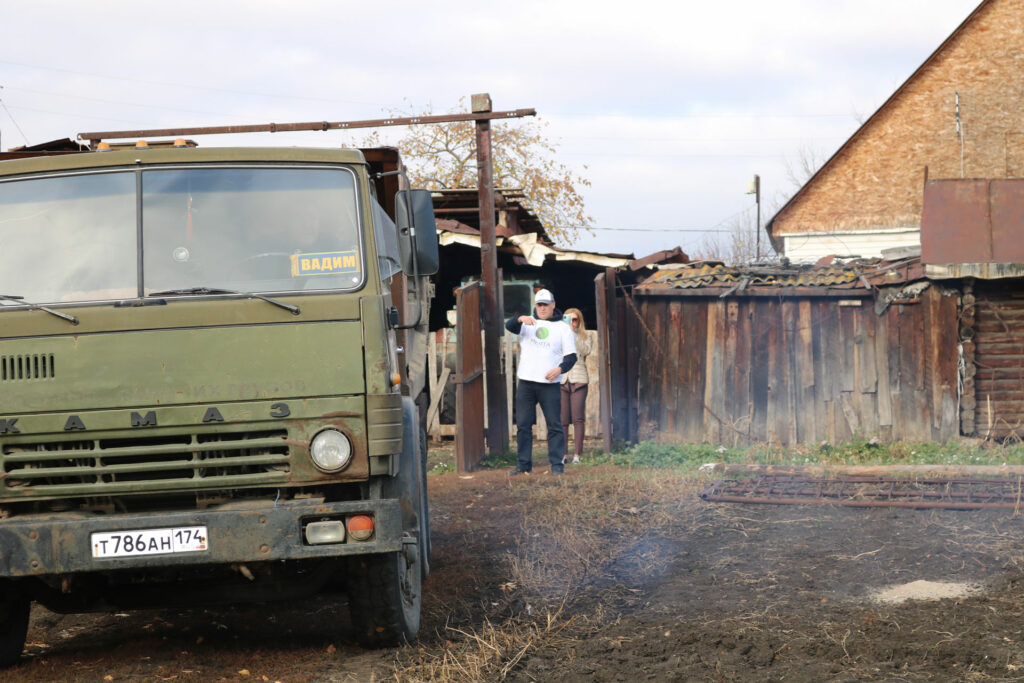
x=501, y=461
x=442, y=468
x=859, y=452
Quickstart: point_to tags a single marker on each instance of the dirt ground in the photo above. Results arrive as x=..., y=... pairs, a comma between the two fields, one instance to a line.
x=614, y=575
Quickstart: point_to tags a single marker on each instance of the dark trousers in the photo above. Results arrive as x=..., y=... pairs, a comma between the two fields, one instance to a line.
x=574, y=412
x=528, y=395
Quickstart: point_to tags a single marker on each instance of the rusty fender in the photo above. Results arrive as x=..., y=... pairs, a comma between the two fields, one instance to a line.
x=37, y=545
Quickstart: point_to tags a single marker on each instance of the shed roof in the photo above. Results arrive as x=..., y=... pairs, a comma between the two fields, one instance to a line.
x=715, y=279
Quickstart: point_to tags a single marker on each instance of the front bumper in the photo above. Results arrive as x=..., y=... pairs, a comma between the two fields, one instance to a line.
x=53, y=544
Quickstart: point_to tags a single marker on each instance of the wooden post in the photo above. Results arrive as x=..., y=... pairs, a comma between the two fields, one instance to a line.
x=497, y=436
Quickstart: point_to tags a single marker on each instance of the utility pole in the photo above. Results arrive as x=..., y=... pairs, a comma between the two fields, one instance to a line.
x=755, y=189
x=497, y=418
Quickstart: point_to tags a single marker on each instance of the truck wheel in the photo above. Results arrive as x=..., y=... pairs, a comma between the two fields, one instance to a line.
x=385, y=596
x=13, y=626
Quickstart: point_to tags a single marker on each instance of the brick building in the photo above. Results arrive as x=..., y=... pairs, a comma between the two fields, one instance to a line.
x=958, y=115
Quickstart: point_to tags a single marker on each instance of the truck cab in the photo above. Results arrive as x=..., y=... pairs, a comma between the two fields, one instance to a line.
x=201, y=385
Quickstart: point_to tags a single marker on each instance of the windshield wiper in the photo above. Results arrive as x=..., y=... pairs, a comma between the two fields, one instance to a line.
x=36, y=307
x=294, y=310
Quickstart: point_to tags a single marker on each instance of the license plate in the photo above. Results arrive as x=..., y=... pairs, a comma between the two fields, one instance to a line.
x=184, y=539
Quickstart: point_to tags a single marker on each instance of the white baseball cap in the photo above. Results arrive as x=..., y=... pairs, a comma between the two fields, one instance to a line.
x=544, y=297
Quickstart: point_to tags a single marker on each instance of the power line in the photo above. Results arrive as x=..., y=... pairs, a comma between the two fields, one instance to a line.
x=12, y=119
x=751, y=115
x=651, y=229
x=186, y=85
x=70, y=115
x=105, y=101
x=673, y=156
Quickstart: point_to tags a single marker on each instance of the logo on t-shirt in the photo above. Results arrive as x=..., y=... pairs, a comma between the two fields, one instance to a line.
x=542, y=333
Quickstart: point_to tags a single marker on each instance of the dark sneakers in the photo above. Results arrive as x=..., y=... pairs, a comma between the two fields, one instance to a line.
x=516, y=472
x=558, y=472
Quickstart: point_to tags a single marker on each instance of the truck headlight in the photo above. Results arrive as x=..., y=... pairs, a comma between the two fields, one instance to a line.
x=330, y=450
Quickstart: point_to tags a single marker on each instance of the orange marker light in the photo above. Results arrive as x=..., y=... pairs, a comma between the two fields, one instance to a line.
x=103, y=147
x=396, y=379
x=141, y=144
x=360, y=527
x=180, y=142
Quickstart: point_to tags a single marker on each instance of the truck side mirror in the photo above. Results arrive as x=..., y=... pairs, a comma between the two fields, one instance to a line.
x=417, y=205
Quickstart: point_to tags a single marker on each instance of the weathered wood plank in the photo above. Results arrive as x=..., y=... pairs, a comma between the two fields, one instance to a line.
x=892, y=345
x=882, y=371
x=843, y=375
x=760, y=385
x=738, y=361
x=822, y=371
x=847, y=347
x=850, y=413
x=669, y=335
x=634, y=334
x=620, y=384
x=435, y=402
x=715, y=385
x=653, y=360
x=907, y=343
x=692, y=345
x=867, y=371
x=806, y=401
x=791, y=375
x=776, y=373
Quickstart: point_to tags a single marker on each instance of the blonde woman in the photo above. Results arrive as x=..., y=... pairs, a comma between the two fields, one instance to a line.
x=574, y=385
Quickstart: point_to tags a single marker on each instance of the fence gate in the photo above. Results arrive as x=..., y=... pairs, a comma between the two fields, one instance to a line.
x=469, y=379
x=618, y=332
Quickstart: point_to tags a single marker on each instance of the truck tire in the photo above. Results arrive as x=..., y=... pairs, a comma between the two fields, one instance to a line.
x=384, y=597
x=13, y=625
x=385, y=590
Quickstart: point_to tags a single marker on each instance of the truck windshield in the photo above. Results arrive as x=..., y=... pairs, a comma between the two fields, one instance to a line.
x=250, y=229
x=69, y=238
x=74, y=238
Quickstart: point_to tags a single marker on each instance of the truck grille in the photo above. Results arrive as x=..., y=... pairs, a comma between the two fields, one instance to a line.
x=35, y=366
x=137, y=464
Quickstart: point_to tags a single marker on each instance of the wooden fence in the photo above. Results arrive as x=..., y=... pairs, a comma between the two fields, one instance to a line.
x=796, y=369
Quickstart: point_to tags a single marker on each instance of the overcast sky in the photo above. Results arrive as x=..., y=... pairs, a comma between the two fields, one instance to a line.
x=669, y=108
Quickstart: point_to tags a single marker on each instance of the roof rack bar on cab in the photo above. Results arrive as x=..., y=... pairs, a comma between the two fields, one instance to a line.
x=96, y=136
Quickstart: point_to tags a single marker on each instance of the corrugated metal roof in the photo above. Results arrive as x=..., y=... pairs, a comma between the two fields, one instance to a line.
x=859, y=274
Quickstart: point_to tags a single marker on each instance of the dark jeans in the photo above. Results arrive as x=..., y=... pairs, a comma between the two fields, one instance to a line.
x=528, y=395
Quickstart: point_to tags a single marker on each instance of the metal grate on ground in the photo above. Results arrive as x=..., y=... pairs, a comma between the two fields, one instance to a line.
x=954, y=494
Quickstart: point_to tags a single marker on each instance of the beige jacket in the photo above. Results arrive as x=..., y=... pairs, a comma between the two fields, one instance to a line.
x=578, y=373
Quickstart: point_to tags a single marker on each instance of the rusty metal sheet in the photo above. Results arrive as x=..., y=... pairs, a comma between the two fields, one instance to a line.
x=1006, y=199
x=951, y=494
x=972, y=221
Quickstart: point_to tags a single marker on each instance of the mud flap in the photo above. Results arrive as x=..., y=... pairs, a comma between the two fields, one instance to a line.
x=412, y=484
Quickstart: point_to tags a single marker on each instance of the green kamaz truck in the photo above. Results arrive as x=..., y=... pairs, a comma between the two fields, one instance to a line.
x=201, y=391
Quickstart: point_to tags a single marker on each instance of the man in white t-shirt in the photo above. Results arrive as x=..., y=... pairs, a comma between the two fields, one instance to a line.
x=547, y=349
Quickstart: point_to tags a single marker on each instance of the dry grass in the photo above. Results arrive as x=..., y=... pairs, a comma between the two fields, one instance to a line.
x=492, y=651
x=573, y=529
